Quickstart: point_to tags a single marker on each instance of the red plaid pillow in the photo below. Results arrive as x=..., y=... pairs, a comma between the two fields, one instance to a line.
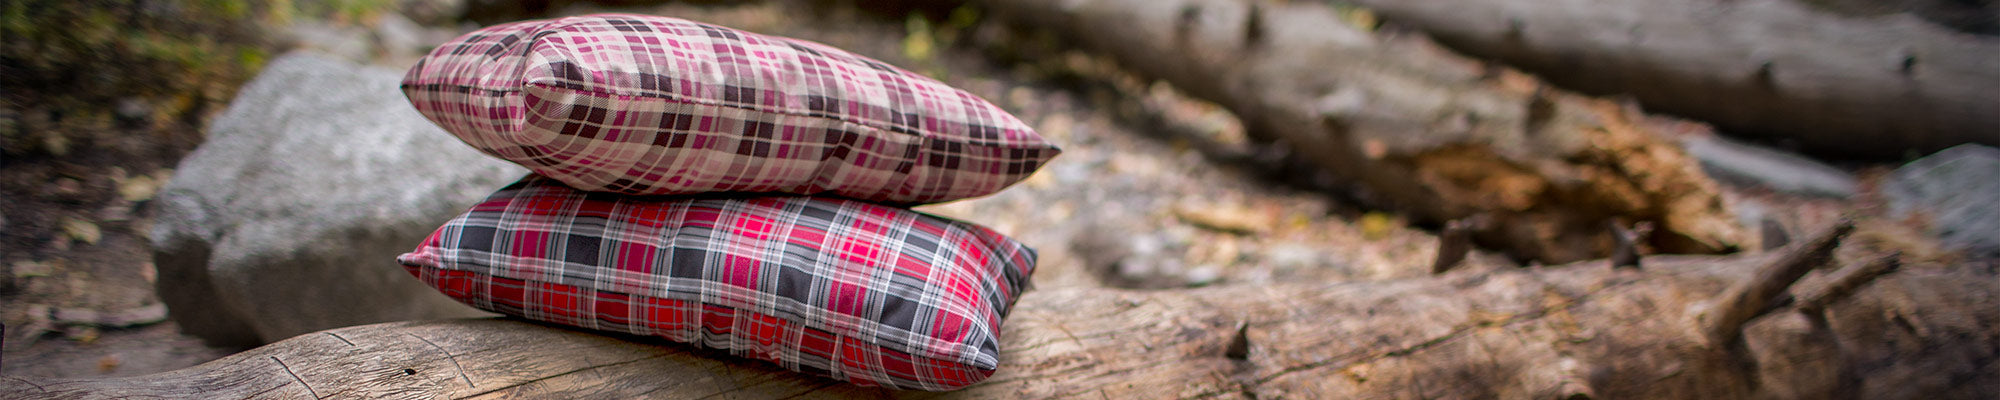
x=871, y=294
x=655, y=105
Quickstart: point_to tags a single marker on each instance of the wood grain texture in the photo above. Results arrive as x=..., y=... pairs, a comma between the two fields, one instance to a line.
x=1584, y=329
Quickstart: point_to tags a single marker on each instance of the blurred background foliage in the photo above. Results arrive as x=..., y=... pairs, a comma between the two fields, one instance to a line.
x=157, y=65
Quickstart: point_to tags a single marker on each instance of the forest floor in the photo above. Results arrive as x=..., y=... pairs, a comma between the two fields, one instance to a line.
x=1155, y=190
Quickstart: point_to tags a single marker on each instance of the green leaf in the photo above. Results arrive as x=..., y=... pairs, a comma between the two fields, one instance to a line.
x=919, y=44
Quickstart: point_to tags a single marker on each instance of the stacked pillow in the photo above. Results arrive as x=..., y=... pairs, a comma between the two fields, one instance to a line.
x=731, y=190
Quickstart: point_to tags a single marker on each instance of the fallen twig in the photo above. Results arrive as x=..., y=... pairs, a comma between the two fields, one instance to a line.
x=1749, y=299
x=1851, y=280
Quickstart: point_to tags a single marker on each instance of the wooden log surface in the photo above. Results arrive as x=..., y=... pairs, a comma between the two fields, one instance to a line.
x=1578, y=330
x=1879, y=86
x=1413, y=127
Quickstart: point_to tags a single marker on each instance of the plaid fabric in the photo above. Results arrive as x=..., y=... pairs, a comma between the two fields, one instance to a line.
x=871, y=294
x=653, y=105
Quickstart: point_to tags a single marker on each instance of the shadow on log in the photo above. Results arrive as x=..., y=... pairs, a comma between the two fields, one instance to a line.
x=1577, y=331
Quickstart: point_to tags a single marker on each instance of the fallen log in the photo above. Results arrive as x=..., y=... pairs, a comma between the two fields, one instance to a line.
x=1413, y=127
x=1579, y=331
x=1877, y=86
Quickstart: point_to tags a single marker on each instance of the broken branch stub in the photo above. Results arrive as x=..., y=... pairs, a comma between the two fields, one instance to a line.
x=1454, y=243
x=1850, y=280
x=1748, y=299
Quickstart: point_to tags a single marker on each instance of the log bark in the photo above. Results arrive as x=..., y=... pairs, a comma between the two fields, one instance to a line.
x=1875, y=86
x=1413, y=127
x=1580, y=330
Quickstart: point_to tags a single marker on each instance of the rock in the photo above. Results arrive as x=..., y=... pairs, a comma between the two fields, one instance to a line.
x=1752, y=165
x=1954, y=190
x=289, y=218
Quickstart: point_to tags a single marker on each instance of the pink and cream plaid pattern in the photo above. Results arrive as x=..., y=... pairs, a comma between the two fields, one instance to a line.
x=654, y=105
x=871, y=294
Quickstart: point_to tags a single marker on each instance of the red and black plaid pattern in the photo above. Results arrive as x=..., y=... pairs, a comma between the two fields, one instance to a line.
x=654, y=105
x=871, y=294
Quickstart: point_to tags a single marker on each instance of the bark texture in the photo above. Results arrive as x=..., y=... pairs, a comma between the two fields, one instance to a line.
x=1579, y=330
x=1877, y=86
x=1416, y=128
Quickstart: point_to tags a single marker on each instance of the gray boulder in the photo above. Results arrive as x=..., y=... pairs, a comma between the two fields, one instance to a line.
x=1958, y=191
x=289, y=218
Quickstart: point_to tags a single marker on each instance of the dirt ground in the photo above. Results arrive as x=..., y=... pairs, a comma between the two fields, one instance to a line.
x=1154, y=190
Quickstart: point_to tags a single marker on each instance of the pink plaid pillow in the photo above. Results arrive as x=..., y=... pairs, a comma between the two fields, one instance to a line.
x=871, y=294
x=654, y=105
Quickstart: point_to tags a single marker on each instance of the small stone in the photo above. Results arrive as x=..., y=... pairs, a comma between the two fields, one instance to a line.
x=134, y=108
x=1204, y=275
x=1134, y=269
x=1292, y=256
x=133, y=112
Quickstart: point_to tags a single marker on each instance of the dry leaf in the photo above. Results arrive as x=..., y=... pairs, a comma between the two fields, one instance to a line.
x=1376, y=226
x=1236, y=220
x=1363, y=19
x=82, y=230
x=108, y=363
x=84, y=334
x=162, y=176
x=138, y=188
x=25, y=269
x=55, y=144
